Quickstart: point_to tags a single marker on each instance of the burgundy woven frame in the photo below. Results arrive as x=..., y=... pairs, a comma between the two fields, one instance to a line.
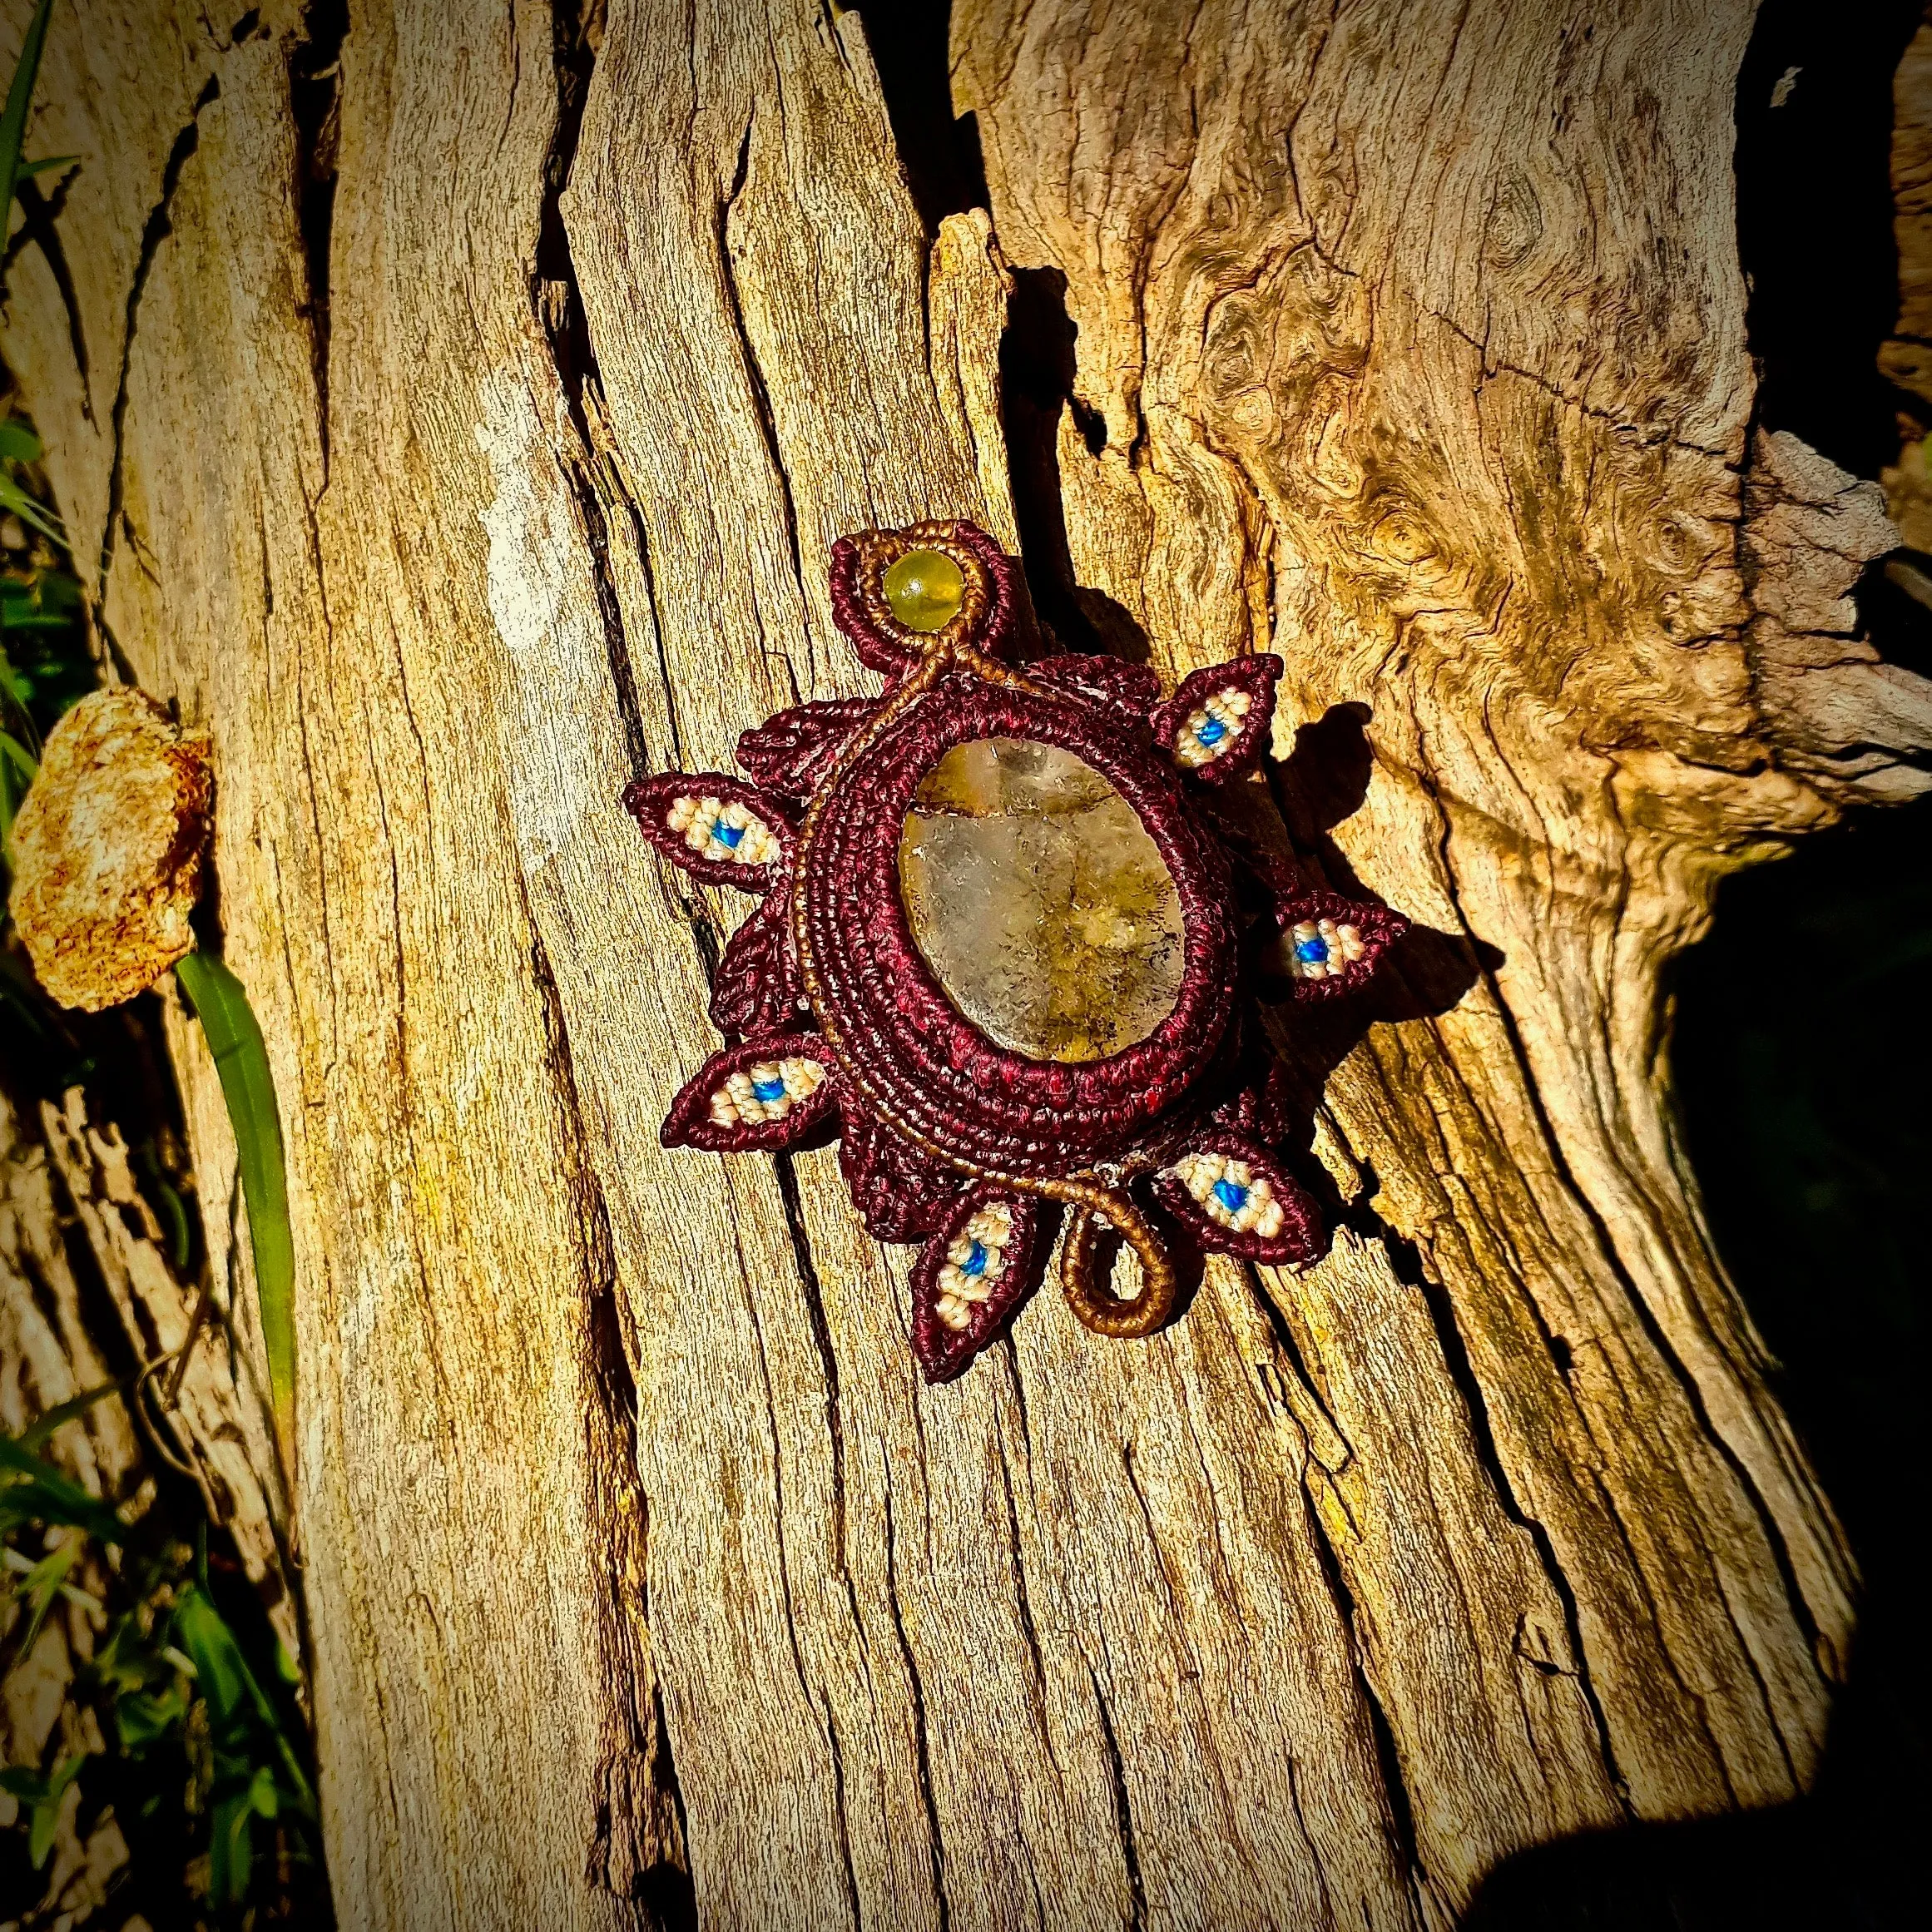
x=958, y=1087
x=936, y=1119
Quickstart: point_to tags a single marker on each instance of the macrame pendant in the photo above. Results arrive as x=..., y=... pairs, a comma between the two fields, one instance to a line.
x=998, y=950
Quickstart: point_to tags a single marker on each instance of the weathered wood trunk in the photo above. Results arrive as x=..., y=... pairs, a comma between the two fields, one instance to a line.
x=460, y=406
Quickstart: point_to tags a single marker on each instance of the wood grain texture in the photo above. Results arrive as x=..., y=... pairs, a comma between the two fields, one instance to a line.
x=642, y=1569
x=1375, y=326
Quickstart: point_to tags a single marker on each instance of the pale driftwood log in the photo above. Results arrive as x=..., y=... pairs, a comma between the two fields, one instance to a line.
x=1411, y=344
x=206, y=1398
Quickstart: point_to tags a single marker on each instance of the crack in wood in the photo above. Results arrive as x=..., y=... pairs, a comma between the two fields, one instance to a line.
x=785, y=1169
x=39, y=224
x=154, y=231
x=922, y=1741
x=635, y=1749
x=1035, y=1660
x=841, y=1825
x=754, y=373
x=557, y=301
x=1455, y=1354
x=1667, y=1353
x=1123, y=1813
x=315, y=68
x=1395, y=1787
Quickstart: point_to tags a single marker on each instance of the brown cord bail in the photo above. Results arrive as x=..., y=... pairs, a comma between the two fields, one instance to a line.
x=1093, y=1300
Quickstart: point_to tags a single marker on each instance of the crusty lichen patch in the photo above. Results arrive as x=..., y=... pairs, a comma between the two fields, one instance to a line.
x=108, y=849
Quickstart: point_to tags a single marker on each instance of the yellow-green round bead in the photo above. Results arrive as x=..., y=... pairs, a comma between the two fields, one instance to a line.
x=925, y=589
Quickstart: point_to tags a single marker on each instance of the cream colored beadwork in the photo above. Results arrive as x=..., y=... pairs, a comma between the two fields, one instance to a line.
x=1257, y=1211
x=1221, y=718
x=990, y=1230
x=1341, y=946
x=747, y=1094
x=707, y=825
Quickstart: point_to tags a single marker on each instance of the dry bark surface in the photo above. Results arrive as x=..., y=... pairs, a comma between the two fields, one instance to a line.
x=462, y=409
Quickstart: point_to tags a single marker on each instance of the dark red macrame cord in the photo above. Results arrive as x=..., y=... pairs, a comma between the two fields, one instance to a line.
x=843, y=1023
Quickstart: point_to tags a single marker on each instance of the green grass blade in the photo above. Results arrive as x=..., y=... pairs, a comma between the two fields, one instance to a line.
x=46, y=1817
x=17, y=771
x=19, y=99
x=237, y=1705
x=35, y=1432
x=31, y=1491
x=17, y=755
x=39, y=1588
x=13, y=497
x=234, y=1039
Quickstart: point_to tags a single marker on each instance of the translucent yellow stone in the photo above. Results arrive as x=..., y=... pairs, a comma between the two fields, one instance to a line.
x=1040, y=903
x=924, y=589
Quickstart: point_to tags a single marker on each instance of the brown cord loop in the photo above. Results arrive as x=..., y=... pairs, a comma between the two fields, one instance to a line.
x=1094, y=1301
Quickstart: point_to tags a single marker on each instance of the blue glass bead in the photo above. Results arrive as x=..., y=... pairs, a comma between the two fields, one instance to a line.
x=975, y=1264
x=769, y=1089
x=1231, y=1194
x=1315, y=952
x=727, y=835
x=1212, y=732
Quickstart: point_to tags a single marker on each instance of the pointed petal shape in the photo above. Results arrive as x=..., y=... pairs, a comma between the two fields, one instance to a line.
x=1330, y=944
x=791, y=754
x=1233, y=1197
x=771, y=1091
x=970, y=1277
x=901, y=1194
x=719, y=829
x=757, y=989
x=1216, y=725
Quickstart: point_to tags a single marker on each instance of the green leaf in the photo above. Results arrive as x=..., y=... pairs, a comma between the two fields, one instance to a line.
x=41, y=1585
x=235, y=1038
x=35, y=1432
x=31, y=1491
x=230, y=1850
x=143, y=1717
x=45, y=165
x=46, y=1817
x=13, y=497
x=23, y=614
x=221, y=1672
x=22, y=1781
x=125, y=1662
x=17, y=771
x=180, y=1231
x=238, y=1710
x=19, y=99
x=17, y=441
x=51, y=591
